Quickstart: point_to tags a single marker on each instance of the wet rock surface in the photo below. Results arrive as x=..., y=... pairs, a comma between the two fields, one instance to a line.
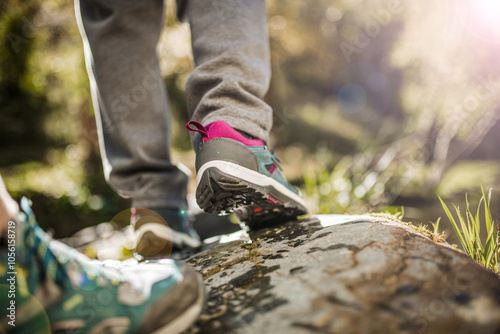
x=358, y=275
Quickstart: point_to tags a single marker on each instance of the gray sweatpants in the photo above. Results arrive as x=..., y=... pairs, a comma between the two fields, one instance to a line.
x=231, y=76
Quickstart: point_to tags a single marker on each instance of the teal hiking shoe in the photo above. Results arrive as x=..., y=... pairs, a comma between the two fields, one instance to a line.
x=240, y=174
x=51, y=288
x=160, y=231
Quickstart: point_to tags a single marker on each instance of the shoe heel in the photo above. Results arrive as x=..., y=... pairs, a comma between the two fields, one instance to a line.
x=223, y=149
x=220, y=192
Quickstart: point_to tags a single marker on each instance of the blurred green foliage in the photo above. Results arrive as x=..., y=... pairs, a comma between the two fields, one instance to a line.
x=18, y=92
x=376, y=102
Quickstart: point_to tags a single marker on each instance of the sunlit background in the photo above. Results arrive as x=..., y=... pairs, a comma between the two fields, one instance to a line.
x=377, y=103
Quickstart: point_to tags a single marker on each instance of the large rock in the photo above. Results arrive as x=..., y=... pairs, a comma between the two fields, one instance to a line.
x=358, y=275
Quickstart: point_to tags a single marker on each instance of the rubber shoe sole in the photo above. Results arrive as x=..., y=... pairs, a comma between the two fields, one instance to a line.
x=257, y=199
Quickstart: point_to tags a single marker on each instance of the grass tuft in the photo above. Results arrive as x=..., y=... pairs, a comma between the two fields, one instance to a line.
x=468, y=230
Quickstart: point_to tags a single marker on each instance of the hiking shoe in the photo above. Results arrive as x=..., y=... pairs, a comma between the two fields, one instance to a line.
x=159, y=232
x=59, y=290
x=240, y=174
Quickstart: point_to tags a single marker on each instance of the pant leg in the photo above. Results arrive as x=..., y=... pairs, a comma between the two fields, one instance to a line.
x=232, y=67
x=120, y=39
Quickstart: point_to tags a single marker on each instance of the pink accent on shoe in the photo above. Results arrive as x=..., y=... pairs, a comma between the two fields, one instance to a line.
x=272, y=169
x=221, y=129
x=271, y=199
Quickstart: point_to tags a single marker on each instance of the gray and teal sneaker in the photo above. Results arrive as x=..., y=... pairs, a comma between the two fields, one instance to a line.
x=160, y=231
x=55, y=289
x=240, y=174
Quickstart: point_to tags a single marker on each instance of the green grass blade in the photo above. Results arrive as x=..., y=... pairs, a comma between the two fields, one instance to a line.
x=468, y=237
x=487, y=212
x=436, y=226
x=454, y=224
x=472, y=227
x=478, y=218
x=492, y=240
x=486, y=206
x=490, y=246
x=492, y=259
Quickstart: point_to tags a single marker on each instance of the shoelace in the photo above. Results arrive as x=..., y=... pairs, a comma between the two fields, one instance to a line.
x=276, y=161
x=39, y=244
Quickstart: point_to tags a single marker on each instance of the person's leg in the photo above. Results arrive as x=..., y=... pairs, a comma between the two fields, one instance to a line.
x=120, y=39
x=232, y=67
x=235, y=169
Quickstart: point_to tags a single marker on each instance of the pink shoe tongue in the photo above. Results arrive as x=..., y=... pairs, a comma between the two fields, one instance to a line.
x=221, y=129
